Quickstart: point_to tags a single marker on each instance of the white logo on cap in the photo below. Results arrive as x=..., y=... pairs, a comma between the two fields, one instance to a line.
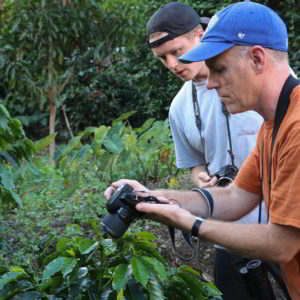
x=241, y=35
x=211, y=23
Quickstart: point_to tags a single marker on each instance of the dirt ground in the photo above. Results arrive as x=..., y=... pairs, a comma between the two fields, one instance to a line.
x=203, y=260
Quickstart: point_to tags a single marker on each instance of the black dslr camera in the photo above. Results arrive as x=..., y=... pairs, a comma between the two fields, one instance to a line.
x=122, y=212
x=226, y=175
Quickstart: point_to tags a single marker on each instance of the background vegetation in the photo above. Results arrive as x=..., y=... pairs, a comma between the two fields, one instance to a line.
x=77, y=75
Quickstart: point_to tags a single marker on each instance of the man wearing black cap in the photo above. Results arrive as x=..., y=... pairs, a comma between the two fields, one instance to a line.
x=248, y=66
x=202, y=142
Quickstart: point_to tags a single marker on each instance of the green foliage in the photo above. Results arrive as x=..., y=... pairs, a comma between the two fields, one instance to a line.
x=14, y=147
x=54, y=248
x=120, y=151
x=101, y=268
x=100, y=64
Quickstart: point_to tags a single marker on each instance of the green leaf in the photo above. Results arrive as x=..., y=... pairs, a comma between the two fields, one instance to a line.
x=109, y=246
x=28, y=296
x=124, y=117
x=140, y=271
x=53, y=267
x=9, y=277
x=155, y=290
x=68, y=265
x=6, y=178
x=4, y=117
x=87, y=246
x=16, y=198
x=146, y=235
x=158, y=267
x=120, y=277
x=44, y=142
x=62, y=243
x=100, y=134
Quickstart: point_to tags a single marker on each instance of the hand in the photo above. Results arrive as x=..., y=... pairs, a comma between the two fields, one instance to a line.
x=137, y=187
x=170, y=214
x=205, y=181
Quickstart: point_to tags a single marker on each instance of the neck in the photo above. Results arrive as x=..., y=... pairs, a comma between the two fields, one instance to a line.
x=200, y=77
x=271, y=95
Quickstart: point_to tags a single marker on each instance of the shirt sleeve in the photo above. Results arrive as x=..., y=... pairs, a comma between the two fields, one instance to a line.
x=186, y=155
x=248, y=177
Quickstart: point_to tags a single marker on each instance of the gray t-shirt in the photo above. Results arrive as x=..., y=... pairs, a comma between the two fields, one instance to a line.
x=191, y=151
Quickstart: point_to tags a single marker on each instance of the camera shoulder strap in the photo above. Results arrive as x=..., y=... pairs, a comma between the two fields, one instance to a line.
x=198, y=120
x=283, y=103
x=281, y=109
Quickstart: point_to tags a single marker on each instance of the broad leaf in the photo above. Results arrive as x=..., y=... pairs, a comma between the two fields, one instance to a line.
x=100, y=134
x=87, y=246
x=120, y=277
x=68, y=265
x=140, y=271
x=158, y=267
x=155, y=290
x=9, y=277
x=53, y=267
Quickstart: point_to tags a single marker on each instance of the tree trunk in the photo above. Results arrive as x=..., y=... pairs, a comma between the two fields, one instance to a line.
x=52, y=112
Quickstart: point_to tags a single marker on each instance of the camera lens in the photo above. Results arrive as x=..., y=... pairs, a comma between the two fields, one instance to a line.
x=114, y=225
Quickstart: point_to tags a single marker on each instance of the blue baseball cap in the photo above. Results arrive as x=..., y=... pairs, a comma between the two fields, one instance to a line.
x=243, y=23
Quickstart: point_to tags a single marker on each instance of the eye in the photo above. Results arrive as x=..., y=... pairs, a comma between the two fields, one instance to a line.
x=219, y=70
x=176, y=53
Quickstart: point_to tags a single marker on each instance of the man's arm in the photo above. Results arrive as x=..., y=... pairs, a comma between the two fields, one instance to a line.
x=267, y=241
x=230, y=203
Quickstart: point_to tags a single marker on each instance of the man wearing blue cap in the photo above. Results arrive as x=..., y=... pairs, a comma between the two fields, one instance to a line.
x=210, y=140
x=245, y=49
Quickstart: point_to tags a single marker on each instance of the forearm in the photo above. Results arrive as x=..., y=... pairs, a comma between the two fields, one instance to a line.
x=229, y=203
x=189, y=200
x=266, y=241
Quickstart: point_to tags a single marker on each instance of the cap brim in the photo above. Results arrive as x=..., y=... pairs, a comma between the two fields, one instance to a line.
x=204, y=51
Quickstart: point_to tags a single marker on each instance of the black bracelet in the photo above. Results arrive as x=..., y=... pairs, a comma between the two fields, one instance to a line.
x=208, y=198
x=196, y=226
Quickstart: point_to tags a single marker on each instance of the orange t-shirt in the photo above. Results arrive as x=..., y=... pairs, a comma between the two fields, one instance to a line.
x=283, y=205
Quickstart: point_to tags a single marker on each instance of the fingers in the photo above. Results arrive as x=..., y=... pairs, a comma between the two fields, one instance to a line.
x=108, y=192
x=135, y=184
x=205, y=181
x=203, y=176
x=171, y=215
x=112, y=188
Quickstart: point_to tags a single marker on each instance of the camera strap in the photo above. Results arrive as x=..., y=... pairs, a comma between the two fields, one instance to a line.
x=281, y=109
x=188, y=239
x=198, y=121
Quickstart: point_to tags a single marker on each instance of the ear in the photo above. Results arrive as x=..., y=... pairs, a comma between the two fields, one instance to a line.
x=199, y=32
x=258, y=56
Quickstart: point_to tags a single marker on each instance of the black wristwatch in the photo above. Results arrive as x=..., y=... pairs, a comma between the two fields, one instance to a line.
x=196, y=226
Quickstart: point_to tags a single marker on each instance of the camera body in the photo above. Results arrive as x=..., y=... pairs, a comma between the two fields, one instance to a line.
x=122, y=212
x=226, y=175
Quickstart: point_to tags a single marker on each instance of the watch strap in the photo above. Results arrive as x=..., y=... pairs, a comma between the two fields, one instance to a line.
x=196, y=226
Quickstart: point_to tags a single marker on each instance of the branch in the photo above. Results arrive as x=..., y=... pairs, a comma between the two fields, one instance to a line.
x=67, y=121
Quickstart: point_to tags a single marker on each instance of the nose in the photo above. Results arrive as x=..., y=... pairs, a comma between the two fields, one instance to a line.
x=172, y=62
x=212, y=81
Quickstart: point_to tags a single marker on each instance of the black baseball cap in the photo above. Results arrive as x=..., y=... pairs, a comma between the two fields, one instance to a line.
x=174, y=18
